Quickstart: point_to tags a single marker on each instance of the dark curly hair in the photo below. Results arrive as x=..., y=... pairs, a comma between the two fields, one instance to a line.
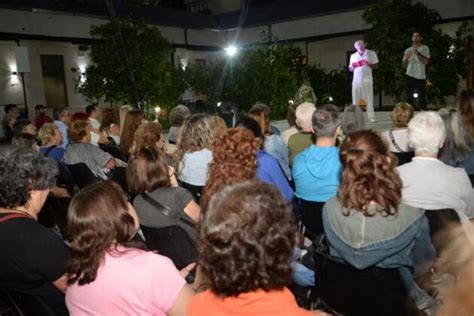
x=246, y=240
x=22, y=171
x=234, y=160
x=369, y=174
x=98, y=221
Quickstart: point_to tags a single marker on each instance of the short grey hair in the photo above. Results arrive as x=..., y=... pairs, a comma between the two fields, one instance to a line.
x=304, y=113
x=326, y=120
x=426, y=133
x=352, y=119
x=178, y=114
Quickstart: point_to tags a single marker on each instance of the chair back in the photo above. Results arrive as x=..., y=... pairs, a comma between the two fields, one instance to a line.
x=31, y=305
x=82, y=175
x=312, y=218
x=439, y=220
x=349, y=291
x=172, y=242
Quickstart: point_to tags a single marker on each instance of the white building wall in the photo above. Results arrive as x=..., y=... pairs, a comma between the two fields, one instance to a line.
x=328, y=53
x=11, y=90
x=246, y=36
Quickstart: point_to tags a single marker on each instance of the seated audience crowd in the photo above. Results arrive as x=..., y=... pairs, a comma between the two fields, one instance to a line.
x=249, y=202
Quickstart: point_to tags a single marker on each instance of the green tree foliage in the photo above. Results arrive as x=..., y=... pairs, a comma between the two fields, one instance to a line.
x=158, y=81
x=393, y=22
x=259, y=73
x=330, y=86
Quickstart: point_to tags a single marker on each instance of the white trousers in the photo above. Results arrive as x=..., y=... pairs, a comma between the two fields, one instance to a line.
x=364, y=90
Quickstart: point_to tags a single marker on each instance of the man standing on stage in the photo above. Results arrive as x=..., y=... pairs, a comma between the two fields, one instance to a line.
x=361, y=63
x=415, y=59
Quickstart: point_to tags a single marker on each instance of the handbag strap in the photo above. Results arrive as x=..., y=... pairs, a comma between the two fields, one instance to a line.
x=394, y=143
x=166, y=210
x=11, y=216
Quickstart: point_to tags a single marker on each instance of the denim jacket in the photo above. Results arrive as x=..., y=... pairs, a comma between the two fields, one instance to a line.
x=382, y=241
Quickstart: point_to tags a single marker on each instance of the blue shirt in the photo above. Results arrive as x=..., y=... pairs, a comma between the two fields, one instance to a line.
x=57, y=153
x=63, y=129
x=317, y=173
x=269, y=171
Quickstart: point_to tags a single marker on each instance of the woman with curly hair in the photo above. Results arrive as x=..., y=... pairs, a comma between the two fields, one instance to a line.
x=268, y=169
x=246, y=244
x=367, y=225
x=193, y=154
x=34, y=258
x=110, y=273
x=234, y=160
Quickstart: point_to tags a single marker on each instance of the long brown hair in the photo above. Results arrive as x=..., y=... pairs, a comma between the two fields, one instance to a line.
x=465, y=103
x=147, y=170
x=109, y=116
x=369, y=174
x=98, y=221
x=133, y=119
x=234, y=160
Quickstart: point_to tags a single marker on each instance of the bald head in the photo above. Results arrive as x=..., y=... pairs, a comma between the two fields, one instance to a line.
x=359, y=46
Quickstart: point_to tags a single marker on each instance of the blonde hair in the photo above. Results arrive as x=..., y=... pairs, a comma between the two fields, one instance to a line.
x=218, y=126
x=122, y=113
x=195, y=134
x=402, y=114
x=46, y=133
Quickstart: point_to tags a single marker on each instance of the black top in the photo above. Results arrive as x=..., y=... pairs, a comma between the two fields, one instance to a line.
x=32, y=257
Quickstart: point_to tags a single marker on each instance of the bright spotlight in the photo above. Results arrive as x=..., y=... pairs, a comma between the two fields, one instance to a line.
x=330, y=99
x=415, y=95
x=219, y=104
x=231, y=51
x=157, y=109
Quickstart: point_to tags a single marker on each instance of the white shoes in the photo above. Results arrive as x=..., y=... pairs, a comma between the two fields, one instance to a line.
x=372, y=120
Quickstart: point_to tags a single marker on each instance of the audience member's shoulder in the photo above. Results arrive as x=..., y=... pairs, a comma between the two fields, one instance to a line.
x=333, y=203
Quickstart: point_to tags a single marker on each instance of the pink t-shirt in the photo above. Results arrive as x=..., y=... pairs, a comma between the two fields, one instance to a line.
x=133, y=282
